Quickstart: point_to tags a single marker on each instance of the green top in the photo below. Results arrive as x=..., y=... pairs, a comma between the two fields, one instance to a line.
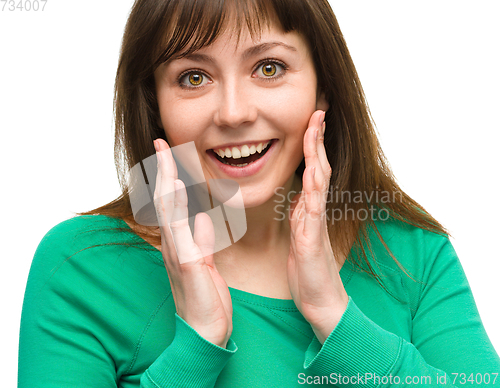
x=105, y=317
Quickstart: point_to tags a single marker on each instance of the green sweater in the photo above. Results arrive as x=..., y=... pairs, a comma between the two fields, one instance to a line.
x=105, y=317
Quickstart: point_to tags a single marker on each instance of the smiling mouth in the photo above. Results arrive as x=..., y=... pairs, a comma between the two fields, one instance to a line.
x=243, y=161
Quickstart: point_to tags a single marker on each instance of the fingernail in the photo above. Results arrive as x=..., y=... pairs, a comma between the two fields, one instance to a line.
x=316, y=134
x=157, y=148
x=322, y=118
x=323, y=127
x=313, y=172
x=177, y=184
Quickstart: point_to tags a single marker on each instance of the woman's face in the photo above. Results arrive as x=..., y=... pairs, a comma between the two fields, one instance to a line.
x=231, y=101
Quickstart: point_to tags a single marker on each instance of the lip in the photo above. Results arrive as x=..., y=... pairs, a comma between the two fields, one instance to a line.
x=248, y=170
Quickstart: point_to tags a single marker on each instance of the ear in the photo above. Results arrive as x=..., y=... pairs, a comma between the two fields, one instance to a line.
x=321, y=102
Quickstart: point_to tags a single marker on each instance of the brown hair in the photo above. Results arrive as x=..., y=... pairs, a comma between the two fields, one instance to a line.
x=158, y=30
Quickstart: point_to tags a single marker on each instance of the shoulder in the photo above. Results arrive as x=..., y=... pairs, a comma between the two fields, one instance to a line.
x=420, y=259
x=91, y=243
x=84, y=229
x=415, y=248
x=94, y=284
x=81, y=232
x=92, y=261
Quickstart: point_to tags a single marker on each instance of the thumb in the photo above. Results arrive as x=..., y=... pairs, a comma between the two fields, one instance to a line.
x=293, y=205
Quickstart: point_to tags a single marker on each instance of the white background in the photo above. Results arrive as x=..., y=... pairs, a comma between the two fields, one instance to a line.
x=429, y=70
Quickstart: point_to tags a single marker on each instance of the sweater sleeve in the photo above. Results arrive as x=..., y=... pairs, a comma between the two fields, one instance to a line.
x=76, y=323
x=189, y=361
x=62, y=332
x=449, y=346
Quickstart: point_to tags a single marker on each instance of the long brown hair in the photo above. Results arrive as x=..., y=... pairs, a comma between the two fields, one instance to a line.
x=157, y=30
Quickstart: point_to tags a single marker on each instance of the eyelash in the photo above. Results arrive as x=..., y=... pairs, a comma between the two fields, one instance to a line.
x=263, y=62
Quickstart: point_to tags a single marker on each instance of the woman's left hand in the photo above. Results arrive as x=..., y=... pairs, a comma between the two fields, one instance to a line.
x=313, y=272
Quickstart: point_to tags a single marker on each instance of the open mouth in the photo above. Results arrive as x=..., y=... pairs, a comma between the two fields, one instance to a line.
x=235, y=157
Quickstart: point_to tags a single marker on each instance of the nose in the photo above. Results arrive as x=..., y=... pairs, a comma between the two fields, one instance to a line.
x=234, y=106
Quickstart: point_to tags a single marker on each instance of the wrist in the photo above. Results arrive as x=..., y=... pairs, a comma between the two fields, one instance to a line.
x=324, y=331
x=325, y=328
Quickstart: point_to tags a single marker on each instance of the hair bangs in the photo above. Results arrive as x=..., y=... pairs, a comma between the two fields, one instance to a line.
x=194, y=24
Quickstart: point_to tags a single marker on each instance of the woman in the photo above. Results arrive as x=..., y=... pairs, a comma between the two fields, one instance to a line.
x=350, y=282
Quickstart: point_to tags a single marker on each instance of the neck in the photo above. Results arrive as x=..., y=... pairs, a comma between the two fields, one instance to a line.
x=267, y=238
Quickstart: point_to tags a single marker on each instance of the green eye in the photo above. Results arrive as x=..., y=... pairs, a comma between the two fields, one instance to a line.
x=269, y=69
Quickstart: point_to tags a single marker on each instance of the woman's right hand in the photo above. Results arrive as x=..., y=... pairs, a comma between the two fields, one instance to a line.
x=200, y=293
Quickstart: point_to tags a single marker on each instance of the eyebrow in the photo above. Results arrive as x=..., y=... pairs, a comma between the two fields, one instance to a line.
x=250, y=52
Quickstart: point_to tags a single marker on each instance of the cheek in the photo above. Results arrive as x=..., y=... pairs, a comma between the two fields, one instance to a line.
x=182, y=120
x=291, y=109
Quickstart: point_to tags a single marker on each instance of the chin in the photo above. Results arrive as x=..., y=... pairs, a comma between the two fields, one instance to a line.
x=259, y=197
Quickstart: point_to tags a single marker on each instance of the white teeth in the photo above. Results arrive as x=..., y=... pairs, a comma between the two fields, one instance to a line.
x=245, y=151
x=236, y=153
x=242, y=151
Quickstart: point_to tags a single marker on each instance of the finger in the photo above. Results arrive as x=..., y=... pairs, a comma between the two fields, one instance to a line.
x=323, y=159
x=293, y=204
x=165, y=153
x=298, y=229
x=313, y=207
x=298, y=216
x=204, y=237
x=164, y=195
x=179, y=226
x=311, y=155
x=164, y=188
